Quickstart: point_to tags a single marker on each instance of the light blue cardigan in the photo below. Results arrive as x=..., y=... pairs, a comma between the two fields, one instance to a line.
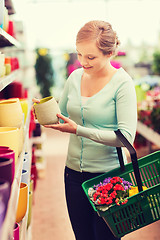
x=92, y=148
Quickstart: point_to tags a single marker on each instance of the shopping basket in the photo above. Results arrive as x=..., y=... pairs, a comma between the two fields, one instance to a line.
x=142, y=208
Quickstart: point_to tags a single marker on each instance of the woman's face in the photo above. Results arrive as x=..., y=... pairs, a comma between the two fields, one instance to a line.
x=91, y=58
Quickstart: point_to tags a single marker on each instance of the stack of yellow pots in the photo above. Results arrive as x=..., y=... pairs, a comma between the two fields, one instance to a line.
x=11, y=125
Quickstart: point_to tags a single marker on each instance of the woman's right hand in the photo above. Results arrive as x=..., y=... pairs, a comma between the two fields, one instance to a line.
x=35, y=100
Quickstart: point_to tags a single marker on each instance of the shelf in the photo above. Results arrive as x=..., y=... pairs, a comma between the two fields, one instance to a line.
x=7, y=40
x=6, y=80
x=148, y=133
x=8, y=225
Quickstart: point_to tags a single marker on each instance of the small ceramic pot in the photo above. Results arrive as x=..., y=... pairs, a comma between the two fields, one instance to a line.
x=11, y=113
x=8, y=153
x=37, y=131
x=46, y=111
x=9, y=136
x=5, y=190
x=22, y=202
x=16, y=231
x=4, y=148
x=7, y=169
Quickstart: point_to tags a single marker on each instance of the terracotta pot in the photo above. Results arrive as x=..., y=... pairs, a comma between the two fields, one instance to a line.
x=9, y=136
x=46, y=111
x=22, y=202
x=11, y=113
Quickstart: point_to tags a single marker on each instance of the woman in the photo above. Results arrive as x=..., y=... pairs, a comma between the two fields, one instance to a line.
x=97, y=100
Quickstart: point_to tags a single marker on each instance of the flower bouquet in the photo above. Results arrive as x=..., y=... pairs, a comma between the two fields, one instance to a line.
x=111, y=191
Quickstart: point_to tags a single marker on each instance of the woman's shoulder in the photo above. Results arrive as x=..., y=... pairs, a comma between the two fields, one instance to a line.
x=77, y=72
x=123, y=75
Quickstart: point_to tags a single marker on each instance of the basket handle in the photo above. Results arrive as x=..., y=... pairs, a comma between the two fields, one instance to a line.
x=133, y=155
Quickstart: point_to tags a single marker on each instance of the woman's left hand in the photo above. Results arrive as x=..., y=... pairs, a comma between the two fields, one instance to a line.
x=68, y=125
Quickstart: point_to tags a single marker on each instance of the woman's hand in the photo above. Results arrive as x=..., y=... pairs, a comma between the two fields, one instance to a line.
x=35, y=100
x=68, y=126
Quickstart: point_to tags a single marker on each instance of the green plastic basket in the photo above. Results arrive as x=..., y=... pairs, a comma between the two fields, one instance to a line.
x=142, y=208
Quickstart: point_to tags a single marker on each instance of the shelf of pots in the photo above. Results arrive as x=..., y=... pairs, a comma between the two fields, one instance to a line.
x=7, y=40
x=11, y=215
x=6, y=80
x=148, y=133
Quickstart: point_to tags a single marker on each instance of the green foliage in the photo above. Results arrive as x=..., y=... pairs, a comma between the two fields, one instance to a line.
x=44, y=72
x=156, y=63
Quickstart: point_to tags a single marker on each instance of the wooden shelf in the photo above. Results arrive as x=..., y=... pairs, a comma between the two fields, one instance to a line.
x=6, y=80
x=148, y=133
x=8, y=225
x=7, y=40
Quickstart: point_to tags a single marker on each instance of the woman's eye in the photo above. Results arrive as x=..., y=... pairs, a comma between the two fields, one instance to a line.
x=91, y=58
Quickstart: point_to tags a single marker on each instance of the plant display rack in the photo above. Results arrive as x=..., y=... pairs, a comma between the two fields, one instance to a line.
x=9, y=221
x=6, y=41
x=148, y=133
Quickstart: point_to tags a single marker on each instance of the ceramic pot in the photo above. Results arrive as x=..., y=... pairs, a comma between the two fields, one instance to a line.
x=5, y=190
x=46, y=111
x=8, y=153
x=4, y=148
x=30, y=209
x=37, y=131
x=25, y=176
x=9, y=136
x=22, y=202
x=16, y=231
x=7, y=169
x=11, y=113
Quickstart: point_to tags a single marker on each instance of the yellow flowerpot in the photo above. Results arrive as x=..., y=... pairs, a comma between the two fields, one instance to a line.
x=9, y=136
x=134, y=190
x=11, y=113
x=22, y=202
x=24, y=105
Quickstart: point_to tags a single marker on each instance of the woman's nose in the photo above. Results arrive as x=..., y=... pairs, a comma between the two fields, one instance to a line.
x=83, y=61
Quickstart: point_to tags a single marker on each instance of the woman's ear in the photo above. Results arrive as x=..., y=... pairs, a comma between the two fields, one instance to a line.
x=110, y=55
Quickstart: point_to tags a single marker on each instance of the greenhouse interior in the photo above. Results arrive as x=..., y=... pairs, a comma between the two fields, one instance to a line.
x=63, y=65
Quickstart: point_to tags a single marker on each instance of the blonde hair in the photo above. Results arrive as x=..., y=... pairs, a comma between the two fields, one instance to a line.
x=101, y=32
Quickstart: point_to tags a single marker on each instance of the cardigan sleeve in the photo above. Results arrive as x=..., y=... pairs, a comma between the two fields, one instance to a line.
x=126, y=111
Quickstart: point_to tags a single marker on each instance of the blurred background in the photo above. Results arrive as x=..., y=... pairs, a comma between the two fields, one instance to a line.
x=37, y=48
